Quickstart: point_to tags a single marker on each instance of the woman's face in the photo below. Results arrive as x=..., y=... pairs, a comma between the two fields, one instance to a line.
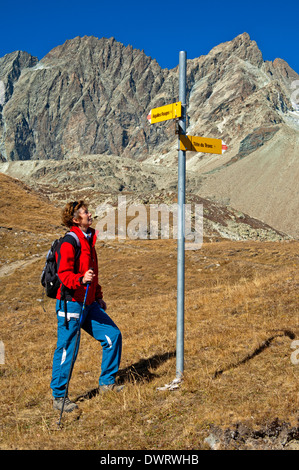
x=84, y=219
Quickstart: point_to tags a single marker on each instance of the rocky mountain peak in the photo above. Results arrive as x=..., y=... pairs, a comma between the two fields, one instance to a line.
x=242, y=47
x=284, y=73
x=92, y=96
x=86, y=96
x=11, y=66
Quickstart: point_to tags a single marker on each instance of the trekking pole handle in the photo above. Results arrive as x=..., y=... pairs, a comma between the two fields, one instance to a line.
x=86, y=283
x=90, y=269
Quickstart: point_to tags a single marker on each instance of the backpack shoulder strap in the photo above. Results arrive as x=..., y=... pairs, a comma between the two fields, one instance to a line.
x=75, y=236
x=73, y=239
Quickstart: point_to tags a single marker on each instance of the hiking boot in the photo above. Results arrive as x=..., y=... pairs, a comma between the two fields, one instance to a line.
x=68, y=404
x=110, y=387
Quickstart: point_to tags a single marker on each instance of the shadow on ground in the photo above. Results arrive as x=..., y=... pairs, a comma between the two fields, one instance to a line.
x=138, y=372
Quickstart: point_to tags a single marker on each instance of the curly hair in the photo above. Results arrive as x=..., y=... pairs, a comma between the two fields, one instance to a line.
x=70, y=211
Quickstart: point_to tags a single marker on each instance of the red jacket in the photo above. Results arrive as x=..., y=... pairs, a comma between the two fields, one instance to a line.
x=70, y=271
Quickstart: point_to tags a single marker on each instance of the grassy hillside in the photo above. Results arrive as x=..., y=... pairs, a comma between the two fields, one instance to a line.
x=240, y=323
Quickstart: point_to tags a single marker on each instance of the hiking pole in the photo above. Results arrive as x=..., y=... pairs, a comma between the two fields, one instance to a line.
x=74, y=353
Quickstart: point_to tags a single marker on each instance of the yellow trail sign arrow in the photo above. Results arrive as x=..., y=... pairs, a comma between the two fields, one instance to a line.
x=201, y=144
x=163, y=113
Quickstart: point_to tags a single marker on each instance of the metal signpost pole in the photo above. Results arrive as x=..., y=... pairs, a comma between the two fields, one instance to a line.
x=181, y=221
x=178, y=111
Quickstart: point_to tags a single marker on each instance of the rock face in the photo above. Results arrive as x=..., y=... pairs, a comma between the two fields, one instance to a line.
x=87, y=96
x=11, y=67
x=91, y=96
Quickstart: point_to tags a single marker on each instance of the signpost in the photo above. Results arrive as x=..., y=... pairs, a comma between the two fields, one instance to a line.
x=164, y=113
x=201, y=144
x=181, y=221
x=177, y=111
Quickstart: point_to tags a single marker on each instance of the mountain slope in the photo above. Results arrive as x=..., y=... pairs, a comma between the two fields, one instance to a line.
x=264, y=183
x=91, y=96
x=241, y=331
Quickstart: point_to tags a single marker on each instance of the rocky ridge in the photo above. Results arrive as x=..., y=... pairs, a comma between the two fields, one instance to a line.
x=100, y=180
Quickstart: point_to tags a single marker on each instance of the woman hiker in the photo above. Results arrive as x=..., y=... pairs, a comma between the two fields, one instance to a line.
x=74, y=272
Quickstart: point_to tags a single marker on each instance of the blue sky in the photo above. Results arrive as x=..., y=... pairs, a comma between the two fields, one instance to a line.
x=160, y=28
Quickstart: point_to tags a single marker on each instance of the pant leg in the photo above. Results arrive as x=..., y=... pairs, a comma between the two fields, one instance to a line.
x=66, y=338
x=99, y=325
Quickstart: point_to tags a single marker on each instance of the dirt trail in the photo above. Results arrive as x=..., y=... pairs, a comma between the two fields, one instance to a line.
x=10, y=268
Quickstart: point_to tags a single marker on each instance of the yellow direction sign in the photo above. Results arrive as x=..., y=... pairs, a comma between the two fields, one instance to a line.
x=169, y=111
x=201, y=144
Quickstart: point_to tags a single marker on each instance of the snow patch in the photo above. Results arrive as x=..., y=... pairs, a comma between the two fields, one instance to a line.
x=39, y=66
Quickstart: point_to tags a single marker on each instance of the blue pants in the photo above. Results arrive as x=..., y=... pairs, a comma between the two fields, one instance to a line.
x=98, y=324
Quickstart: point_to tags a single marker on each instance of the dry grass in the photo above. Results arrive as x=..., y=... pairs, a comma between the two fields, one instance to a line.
x=241, y=318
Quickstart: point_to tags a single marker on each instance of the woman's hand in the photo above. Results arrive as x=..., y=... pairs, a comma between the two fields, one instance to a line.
x=102, y=304
x=88, y=276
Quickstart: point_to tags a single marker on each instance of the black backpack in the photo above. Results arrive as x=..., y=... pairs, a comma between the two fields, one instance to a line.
x=49, y=277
